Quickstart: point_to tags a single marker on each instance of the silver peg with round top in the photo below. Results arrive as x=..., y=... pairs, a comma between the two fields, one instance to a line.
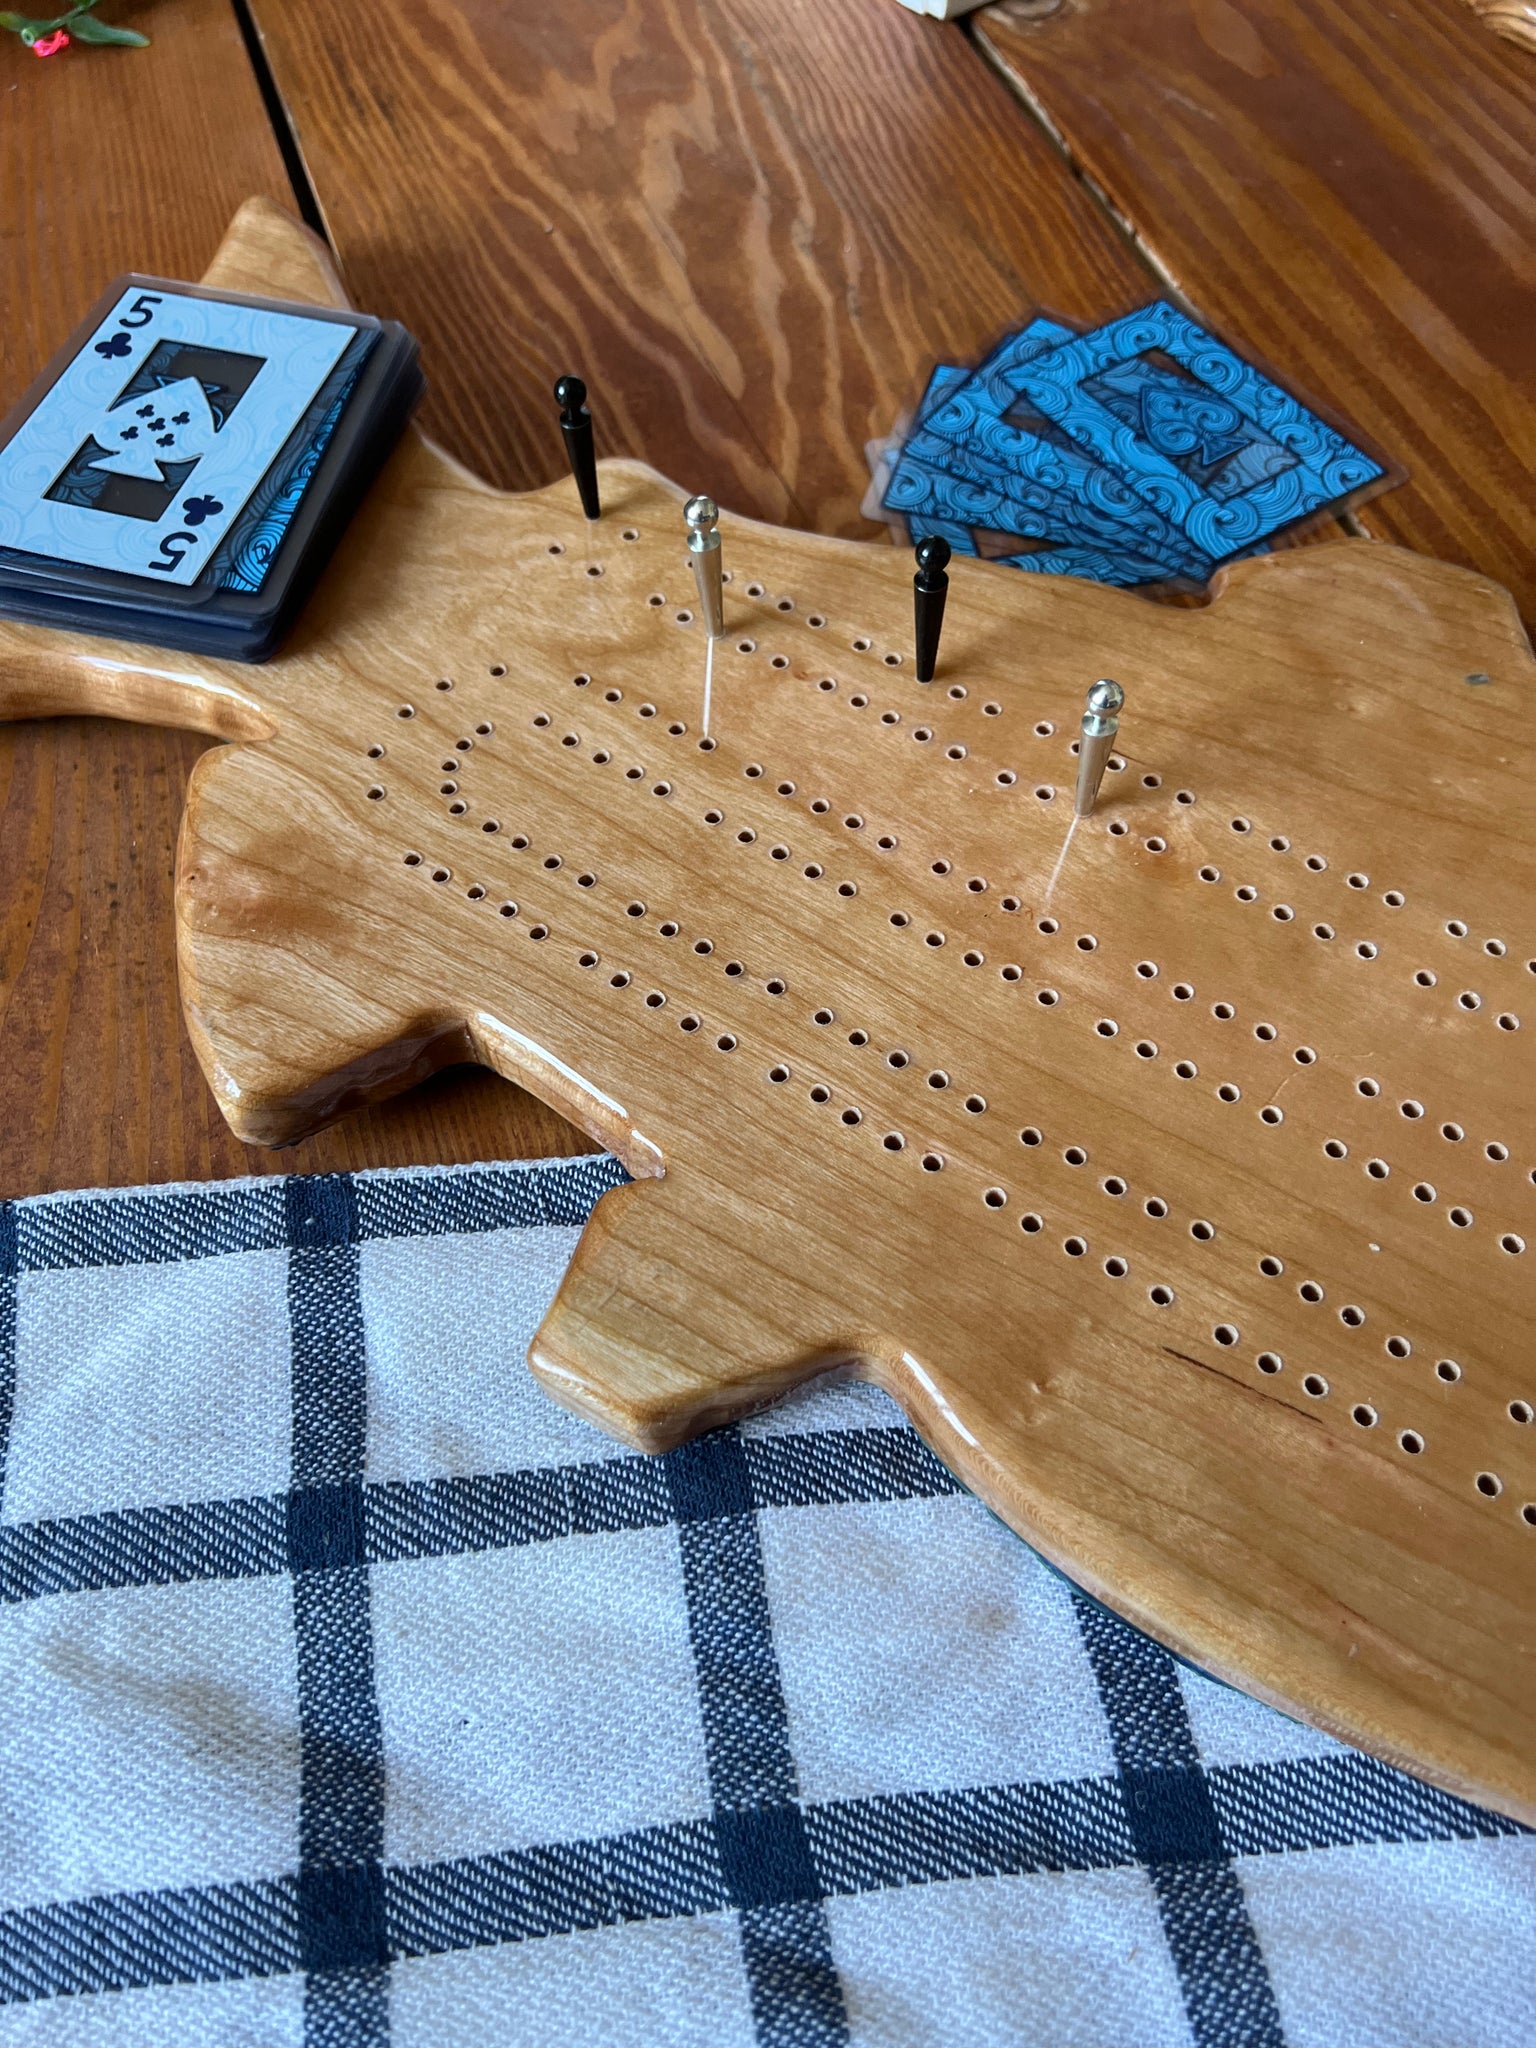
x=703, y=516
x=1101, y=721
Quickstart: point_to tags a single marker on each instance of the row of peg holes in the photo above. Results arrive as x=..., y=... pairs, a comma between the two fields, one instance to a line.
x=1269, y=1114
x=1106, y=1027
x=1392, y=898
x=1145, y=1048
x=1366, y=949
x=995, y=1197
x=975, y=958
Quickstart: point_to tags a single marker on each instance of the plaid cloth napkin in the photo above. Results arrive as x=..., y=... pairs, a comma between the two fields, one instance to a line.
x=351, y=1692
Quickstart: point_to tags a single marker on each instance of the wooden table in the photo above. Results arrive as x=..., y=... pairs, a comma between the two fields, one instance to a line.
x=753, y=225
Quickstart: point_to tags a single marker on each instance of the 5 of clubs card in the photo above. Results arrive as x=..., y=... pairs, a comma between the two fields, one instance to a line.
x=145, y=448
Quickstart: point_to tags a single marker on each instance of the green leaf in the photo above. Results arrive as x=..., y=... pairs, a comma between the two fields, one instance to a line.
x=87, y=29
x=26, y=24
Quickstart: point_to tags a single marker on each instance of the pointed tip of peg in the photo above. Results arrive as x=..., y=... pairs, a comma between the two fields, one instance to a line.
x=933, y=553
x=570, y=393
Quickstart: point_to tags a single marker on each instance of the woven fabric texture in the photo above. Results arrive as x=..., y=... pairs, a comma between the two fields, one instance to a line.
x=352, y=1693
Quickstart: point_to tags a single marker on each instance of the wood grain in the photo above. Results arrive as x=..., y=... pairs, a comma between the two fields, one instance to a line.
x=1348, y=192
x=1238, y=1334
x=745, y=225
x=1513, y=19
x=752, y=225
x=108, y=159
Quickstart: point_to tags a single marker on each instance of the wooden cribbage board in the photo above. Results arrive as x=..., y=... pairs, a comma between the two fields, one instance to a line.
x=1176, y=1180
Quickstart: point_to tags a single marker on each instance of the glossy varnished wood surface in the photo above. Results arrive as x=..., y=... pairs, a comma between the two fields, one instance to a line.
x=108, y=160
x=1349, y=191
x=752, y=225
x=1175, y=1170
x=745, y=224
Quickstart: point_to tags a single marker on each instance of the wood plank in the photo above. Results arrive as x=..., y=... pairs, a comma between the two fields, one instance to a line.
x=751, y=224
x=1348, y=192
x=1256, y=1367
x=111, y=160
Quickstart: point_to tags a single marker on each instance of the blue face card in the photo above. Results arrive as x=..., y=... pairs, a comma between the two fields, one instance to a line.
x=1199, y=434
x=144, y=452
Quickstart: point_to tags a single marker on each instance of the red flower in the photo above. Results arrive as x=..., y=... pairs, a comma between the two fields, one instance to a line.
x=50, y=46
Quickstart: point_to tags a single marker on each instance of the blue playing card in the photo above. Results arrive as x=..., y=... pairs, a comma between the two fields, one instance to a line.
x=992, y=434
x=1095, y=565
x=1200, y=435
x=147, y=448
x=924, y=494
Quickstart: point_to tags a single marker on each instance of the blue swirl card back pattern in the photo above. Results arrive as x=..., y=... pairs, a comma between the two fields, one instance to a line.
x=995, y=433
x=955, y=507
x=1203, y=438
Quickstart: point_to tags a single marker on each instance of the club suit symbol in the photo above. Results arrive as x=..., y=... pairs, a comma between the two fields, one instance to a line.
x=182, y=435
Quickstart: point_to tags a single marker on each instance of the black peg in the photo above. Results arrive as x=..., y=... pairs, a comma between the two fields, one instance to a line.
x=930, y=587
x=577, y=422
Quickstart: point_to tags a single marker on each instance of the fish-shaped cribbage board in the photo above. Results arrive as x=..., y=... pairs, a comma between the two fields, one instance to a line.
x=1173, y=1171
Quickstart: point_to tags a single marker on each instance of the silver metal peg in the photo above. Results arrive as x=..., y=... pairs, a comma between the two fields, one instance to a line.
x=703, y=515
x=1101, y=721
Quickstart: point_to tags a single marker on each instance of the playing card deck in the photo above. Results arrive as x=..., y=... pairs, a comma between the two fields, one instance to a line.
x=1144, y=452
x=183, y=467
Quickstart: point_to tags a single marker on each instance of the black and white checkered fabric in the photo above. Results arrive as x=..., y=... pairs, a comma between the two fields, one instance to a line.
x=350, y=1692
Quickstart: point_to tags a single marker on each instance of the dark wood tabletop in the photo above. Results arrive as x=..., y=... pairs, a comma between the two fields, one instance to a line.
x=752, y=225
